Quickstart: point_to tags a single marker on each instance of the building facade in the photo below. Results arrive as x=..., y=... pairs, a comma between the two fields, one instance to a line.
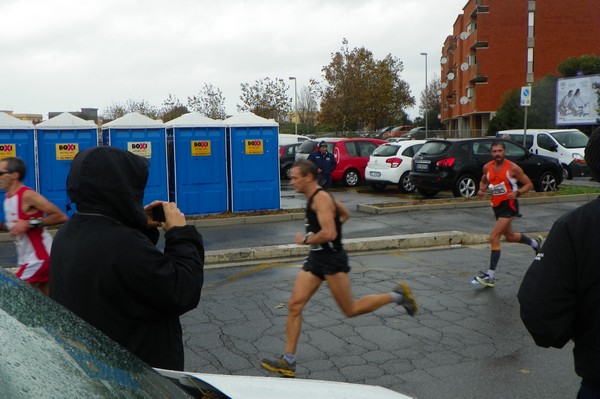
x=500, y=45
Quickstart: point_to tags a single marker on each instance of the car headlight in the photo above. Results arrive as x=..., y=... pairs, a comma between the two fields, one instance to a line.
x=578, y=158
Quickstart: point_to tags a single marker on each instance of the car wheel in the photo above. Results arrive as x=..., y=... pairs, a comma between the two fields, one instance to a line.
x=378, y=186
x=567, y=175
x=351, y=178
x=287, y=172
x=406, y=184
x=427, y=193
x=465, y=186
x=547, y=182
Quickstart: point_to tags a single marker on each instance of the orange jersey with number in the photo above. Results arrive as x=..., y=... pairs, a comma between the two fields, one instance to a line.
x=501, y=183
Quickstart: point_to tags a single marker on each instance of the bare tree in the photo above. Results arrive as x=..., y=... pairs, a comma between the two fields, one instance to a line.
x=209, y=102
x=431, y=102
x=172, y=108
x=267, y=98
x=307, y=104
x=117, y=110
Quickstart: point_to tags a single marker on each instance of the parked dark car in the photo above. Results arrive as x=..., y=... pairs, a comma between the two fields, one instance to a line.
x=457, y=165
x=287, y=157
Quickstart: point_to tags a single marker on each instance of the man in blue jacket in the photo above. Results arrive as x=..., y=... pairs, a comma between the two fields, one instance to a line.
x=325, y=162
x=560, y=293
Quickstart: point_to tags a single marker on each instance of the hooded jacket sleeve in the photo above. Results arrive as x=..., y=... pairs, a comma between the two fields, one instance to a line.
x=547, y=292
x=169, y=282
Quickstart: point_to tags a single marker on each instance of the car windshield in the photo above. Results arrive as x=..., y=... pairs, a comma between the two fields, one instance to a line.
x=571, y=139
x=48, y=352
x=307, y=146
x=385, y=151
x=434, y=148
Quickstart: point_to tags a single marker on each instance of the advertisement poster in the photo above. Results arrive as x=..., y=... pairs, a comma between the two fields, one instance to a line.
x=577, y=100
x=254, y=147
x=200, y=148
x=66, y=151
x=142, y=148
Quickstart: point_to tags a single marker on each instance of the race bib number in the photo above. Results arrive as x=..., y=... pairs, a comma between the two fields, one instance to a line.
x=497, y=189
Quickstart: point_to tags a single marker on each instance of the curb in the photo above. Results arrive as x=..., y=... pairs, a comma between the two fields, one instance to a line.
x=405, y=241
x=380, y=210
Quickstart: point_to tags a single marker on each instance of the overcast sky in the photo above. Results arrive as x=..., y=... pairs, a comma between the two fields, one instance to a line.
x=62, y=55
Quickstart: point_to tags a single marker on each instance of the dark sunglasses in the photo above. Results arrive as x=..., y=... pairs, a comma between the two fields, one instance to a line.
x=5, y=172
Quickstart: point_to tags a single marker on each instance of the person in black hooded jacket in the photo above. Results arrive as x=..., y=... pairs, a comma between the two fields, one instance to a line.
x=560, y=293
x=106, y=268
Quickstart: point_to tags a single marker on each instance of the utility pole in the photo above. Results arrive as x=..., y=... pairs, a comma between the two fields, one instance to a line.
x=295, y=104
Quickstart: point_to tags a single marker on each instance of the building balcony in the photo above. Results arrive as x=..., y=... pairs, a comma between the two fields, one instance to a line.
x=480, y=44
x=479, y=79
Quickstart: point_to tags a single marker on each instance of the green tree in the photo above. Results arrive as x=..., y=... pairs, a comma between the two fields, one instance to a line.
x=588, y=64
x=509, y=115
x=363, y=92
x=209, y=102
x=267, y=98
x=540, y=114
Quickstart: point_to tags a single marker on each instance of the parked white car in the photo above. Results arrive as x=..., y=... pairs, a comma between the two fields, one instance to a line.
x=390, y=164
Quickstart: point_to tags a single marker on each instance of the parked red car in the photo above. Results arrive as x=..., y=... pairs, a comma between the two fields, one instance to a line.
x=351, y=155
x=397, y=131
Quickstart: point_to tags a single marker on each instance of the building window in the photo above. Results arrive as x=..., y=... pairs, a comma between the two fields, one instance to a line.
x=471, y=59
x=470, y=92
x=530, y=24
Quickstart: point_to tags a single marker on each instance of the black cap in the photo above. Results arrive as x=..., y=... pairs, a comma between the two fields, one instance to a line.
x=322, y=143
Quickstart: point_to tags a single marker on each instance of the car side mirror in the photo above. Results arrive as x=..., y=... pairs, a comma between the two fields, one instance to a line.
x=553, y=147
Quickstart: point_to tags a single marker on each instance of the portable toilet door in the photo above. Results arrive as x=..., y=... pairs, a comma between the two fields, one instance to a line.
x=145, y=137
x=197, y=164
x=17, y=139
x=59, y=139
x=253, y=163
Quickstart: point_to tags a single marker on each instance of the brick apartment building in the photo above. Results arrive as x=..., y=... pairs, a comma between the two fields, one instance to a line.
x=500, y=45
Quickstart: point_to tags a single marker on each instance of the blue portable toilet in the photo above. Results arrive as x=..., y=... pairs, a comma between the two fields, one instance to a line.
x=59, y=139
x=253, y=163
x=197, y=164
x=145, y=137
x=17, y=139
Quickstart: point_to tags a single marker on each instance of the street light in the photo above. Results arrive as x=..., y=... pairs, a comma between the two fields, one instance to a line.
x=295, y=104
x=425, y=54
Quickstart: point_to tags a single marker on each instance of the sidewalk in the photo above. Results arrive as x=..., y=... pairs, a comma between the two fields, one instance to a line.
x=374, y=225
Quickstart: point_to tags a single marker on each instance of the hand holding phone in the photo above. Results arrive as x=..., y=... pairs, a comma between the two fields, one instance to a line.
x=158, y=213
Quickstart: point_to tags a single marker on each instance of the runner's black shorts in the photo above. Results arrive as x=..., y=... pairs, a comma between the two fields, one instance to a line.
x=325, y=262
x=507, y=209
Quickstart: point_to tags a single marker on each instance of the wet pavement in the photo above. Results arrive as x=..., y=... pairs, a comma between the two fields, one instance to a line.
x=466, y=341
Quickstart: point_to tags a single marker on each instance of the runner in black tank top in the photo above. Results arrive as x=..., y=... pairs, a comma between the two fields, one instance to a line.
x=328, y=261
x=313, y=226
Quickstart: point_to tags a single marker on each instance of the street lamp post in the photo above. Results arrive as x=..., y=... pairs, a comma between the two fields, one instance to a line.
x=426, y=91
x=295, y=104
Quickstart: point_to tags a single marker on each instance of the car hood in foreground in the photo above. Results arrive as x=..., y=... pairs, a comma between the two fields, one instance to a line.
x=245, y=387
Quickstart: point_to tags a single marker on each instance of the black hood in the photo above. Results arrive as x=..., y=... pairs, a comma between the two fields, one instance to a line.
x=110, y=181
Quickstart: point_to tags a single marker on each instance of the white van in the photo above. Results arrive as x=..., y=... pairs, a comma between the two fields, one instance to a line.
x=285, y=139
x=565, y=145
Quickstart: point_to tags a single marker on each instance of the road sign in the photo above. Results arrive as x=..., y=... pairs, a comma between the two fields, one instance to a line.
x=525, y=96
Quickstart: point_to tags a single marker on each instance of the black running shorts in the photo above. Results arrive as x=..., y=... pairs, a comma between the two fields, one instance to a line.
x=325, y=262
x=507, y=209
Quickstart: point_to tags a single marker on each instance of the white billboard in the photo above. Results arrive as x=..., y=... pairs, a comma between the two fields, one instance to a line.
x=577, y=100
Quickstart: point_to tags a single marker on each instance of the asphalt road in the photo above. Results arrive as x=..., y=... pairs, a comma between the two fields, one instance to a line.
x=466, y=341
